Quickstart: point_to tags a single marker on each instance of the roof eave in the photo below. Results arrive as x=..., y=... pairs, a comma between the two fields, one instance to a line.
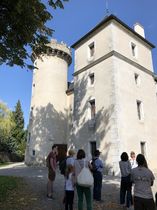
x=111, y=17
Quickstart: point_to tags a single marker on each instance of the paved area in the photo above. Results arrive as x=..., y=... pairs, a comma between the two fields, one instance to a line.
x=36, y=177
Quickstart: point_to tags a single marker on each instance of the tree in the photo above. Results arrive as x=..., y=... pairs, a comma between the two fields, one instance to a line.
x=6, y=125
x=23, y=25
x=18, y=133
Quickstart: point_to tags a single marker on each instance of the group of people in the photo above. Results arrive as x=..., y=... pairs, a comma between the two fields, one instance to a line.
x=73, y=169
x=135, y=171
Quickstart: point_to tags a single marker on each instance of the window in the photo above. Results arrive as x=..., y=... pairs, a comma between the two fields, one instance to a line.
x=139, y=110
x=91, y=79
x=33, y=152
x=91, y=50
x=134, y=49
x=137, y=79
x=143, y=148
x=92, y=147
x=33, y=84
x=92, y=109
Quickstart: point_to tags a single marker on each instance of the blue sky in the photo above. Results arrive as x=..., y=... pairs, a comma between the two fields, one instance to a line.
x=70, y=24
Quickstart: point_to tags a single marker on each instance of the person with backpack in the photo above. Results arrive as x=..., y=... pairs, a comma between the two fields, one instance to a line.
x=97, y=169
x=69, y=160
x=51, y=163
x=79, y=164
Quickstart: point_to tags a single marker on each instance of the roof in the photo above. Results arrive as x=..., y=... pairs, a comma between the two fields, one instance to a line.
x=106, y=20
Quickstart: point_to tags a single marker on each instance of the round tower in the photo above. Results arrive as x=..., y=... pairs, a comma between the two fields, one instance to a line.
x=48, y=114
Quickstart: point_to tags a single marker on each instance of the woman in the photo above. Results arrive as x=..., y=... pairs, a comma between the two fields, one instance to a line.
x=143, y=179
x=125, y=187
x=81, y=191
x=70, y=159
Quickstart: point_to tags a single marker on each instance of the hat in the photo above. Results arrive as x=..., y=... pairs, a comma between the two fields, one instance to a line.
x=97, y=152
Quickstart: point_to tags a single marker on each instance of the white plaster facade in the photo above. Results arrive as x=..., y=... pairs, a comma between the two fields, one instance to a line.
x=120, y=56
x=48, y=116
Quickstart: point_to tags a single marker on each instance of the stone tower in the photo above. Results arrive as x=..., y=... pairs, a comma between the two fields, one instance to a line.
x=48, y=114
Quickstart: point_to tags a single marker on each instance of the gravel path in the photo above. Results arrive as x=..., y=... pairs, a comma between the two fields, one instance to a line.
x=36, y=178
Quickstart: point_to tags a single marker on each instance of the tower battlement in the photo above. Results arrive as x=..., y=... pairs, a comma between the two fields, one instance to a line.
x=60, y=50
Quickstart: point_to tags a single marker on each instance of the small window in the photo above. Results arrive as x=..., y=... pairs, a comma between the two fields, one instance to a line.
x=33, y=152
x=91, y=50
x=134, y=49
x=137, y=79
x=92, y=109
x=33, y=84
x=139, y=110
x=92, y=147
x=91, y=79
x=143, y=148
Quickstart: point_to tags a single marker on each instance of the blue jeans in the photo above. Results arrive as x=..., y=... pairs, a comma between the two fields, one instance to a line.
x=97, y=185
x=125, y=191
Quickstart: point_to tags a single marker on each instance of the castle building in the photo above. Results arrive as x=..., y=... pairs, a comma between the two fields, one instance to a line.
x=111, y=105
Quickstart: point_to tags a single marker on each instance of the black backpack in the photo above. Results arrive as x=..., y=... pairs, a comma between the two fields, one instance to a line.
x=62, y=166
x=94, y=168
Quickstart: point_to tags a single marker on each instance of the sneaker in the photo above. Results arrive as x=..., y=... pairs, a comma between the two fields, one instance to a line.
x=50, y=197
x=99, y=201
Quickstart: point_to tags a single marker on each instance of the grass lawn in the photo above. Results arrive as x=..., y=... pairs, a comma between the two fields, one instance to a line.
x=15, y=194
x=7, y=184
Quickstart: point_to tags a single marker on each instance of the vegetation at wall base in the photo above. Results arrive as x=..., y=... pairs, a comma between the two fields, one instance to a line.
x=12, y=134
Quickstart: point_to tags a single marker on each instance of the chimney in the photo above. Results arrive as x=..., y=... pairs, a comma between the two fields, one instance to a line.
x=139, y=29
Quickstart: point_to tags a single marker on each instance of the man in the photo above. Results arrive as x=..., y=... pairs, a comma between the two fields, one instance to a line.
x=133, y=160
x=51, y=164
x=97, y=175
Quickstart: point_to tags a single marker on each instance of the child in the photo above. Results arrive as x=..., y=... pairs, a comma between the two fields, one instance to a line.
x=69, y=187
x=125, y=188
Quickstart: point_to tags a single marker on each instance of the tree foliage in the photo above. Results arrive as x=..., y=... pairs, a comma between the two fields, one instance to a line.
x=23, y=25
x=12, y=132
x=6, y=125
x=17, y=132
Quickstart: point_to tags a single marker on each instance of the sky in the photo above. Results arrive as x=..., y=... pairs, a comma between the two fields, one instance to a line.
x=70, y=24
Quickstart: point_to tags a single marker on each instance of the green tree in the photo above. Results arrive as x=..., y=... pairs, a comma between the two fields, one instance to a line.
x=23, y=26
x=6, y=125
x=18, y=139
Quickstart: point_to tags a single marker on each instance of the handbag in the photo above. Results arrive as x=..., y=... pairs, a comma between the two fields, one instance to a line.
x=85, y=177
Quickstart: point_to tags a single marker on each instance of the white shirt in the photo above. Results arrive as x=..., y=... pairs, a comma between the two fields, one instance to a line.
x=133, y=163
x=69, y=186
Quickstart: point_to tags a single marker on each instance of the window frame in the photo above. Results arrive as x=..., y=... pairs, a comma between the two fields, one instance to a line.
x=91, y=83
x=134, y=49
x=92, y=113
x=140, y=111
